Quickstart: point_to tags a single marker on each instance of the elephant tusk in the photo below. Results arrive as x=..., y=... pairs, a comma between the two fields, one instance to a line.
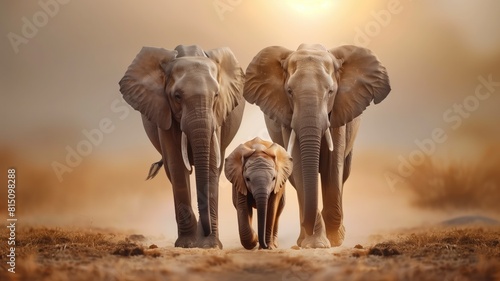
x=291, y=142
x=217, y=149
x=185, y=157
x=328, y=138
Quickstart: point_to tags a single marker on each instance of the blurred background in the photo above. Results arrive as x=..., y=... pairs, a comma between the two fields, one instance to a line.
x=429, y=152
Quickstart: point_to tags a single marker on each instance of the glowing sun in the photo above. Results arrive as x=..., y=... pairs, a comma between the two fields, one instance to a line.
x=310, y=6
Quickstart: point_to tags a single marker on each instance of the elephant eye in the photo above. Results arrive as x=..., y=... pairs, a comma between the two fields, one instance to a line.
x=290, y=92
x=274, y=178
x=330, y=91
x=177, y=96
x=247, y=179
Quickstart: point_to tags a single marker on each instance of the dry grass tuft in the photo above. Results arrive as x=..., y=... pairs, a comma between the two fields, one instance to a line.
x=458, y=186
x=384, y=250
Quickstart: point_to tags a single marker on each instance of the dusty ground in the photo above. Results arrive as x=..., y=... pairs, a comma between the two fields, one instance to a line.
x=444, y=253
x=74, y=230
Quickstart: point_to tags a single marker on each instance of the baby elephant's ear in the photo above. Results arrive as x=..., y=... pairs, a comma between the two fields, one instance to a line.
x=234, y=167
x=284, y=165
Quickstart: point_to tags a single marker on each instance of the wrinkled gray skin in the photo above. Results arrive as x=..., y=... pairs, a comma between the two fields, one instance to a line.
x=317, y=95
x=198, y=94
x=258, y=170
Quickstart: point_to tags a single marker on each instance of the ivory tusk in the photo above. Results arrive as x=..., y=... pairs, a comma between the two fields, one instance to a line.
x=217, y=149
x=185, y=156
x=328, y=138
x=291, y=142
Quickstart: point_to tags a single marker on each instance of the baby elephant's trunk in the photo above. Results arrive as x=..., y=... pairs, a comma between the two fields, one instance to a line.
x=261, y=200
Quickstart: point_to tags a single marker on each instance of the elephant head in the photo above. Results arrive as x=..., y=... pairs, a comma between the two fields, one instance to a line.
x=194, y=89
x=260, y=168
x=309, y=91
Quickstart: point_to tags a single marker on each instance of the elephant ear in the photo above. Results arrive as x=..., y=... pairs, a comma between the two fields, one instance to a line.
x=231, y=79
x=362, y=78
x=284, y=165
x=143, y=85
x=264, y=85
x=233, y=169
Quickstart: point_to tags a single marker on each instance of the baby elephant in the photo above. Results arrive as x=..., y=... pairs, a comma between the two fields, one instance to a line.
x=258, y=170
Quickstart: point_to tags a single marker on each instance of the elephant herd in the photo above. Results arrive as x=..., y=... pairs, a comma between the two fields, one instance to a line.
x=192, y=102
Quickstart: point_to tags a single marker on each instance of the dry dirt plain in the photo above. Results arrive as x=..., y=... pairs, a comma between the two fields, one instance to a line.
x=441, y=253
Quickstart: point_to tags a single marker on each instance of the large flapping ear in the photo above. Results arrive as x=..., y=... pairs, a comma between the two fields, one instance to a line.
x=283, y=162
x=264, y=85
x=362, y=79
x=231, y=79
x=143, y=85
x=233, y=169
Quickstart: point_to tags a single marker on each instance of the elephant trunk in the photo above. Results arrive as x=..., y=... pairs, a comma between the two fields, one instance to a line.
x=261, y=202
x=309, y=143
x=200, y=139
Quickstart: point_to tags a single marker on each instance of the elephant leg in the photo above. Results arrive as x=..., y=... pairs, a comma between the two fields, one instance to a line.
x=347, y=167
x=276, y=132
x=184, y=215
x=179, y=177
x=279, y=201
x=281, y=135
x=333, y=171
x=225, y=134
x=152, y=132
x=272, y=209
x=243, y=205
x=231, y=125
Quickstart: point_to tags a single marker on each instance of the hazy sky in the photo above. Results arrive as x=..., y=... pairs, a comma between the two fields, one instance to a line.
x=61, y=60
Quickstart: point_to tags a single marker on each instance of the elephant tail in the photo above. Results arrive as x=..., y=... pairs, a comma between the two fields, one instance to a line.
x=155, y=167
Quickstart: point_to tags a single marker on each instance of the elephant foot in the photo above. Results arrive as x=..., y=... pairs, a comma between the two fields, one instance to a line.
x=273, y=244
x=250, y=244
x=270, y=245
x=315, y=241
x=186, y=241
x=336, y=238
x=318, y=239
x=302, y=236
x=209, y=242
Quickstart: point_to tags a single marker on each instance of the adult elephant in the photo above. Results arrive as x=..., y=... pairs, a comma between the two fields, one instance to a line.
x=312, y=99
x=189, y=100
